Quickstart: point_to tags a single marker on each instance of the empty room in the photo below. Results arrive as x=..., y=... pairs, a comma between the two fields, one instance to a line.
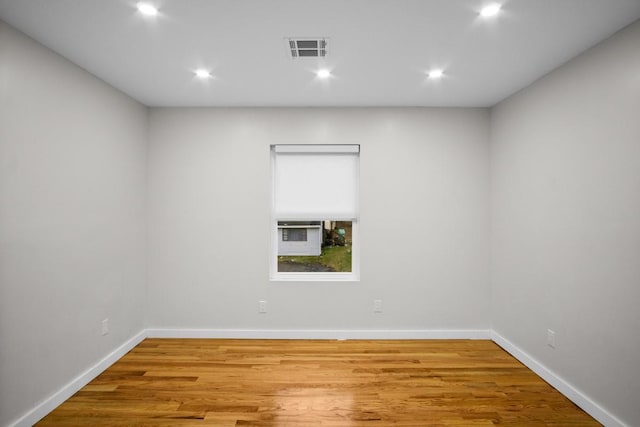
x=331, y=213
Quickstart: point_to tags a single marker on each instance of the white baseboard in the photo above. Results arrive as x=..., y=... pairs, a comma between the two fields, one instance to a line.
x=564, y=387
x=353, y=334
x=53, y=401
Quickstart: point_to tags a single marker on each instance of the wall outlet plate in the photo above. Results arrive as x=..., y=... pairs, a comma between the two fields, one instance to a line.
x=105, y=326
x=551, y=338
x=377, y=306
x=262, y=306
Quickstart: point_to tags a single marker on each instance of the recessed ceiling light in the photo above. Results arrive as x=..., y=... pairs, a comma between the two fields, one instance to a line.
x=490, y=10
x=435, y=74
x=147, y=9
x=202, y=73
x=323, y=74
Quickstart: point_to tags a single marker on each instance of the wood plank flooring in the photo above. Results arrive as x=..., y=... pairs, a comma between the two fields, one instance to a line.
x=206, y=382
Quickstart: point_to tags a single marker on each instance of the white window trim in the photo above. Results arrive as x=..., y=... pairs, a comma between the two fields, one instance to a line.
x=274, y=274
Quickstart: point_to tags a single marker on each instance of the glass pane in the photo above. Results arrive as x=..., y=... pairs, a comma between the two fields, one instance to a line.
x=327, y=247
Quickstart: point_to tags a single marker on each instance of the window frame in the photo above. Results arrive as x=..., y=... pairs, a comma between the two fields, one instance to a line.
x=274, y=274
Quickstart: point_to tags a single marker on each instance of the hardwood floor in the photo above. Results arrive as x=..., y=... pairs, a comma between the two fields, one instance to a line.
x=198, y=382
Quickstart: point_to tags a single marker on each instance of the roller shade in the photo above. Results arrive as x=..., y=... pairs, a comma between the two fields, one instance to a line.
x=315, y=182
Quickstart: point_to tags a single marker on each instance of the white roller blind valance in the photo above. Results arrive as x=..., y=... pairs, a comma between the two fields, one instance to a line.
x=315, y=181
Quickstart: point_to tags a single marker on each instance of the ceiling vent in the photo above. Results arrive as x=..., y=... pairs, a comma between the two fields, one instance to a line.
x=307, y=47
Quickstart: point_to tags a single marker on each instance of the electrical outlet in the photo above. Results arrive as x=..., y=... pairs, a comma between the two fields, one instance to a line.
x=105, y=326
x=551, y=338
x=377, y=306
x=262, y=306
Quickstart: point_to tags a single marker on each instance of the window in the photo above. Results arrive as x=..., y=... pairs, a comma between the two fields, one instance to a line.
x=315, y=212
x=294, y=234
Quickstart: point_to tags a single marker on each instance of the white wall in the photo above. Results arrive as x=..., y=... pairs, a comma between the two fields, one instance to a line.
x=72, y=176
x=424, y=219
x=566, y=221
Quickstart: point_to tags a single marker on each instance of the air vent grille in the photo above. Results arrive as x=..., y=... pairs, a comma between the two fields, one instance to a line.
x=307, y=47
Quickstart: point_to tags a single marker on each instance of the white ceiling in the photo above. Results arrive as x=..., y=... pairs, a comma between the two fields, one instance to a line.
x=379, y=50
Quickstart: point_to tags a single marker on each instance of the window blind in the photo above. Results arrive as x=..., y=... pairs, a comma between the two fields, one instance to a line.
x=315, y=181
